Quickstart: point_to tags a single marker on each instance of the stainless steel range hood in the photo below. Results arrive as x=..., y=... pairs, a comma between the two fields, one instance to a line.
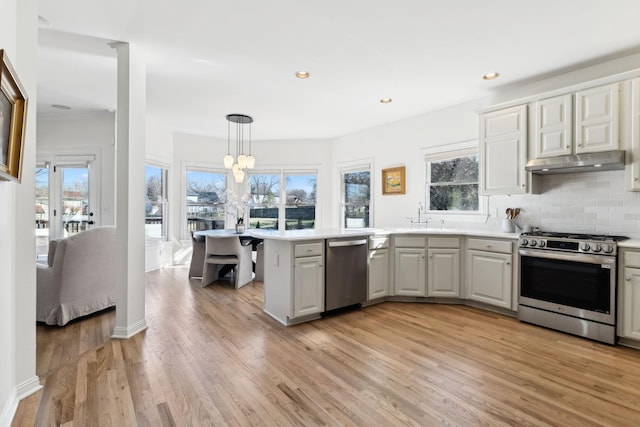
x=590, y=162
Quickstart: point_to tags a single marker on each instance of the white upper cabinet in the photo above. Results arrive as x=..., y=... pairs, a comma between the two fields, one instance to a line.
x=633, y=150
x=503, y=146
x=597, y=119
x=554, y=126
x=582, y=122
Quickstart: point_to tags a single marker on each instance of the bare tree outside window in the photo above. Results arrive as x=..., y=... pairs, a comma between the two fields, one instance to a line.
x=205, y=199
x=300, y=210
x=265, y=201
x=453, y=184
x=357, y=196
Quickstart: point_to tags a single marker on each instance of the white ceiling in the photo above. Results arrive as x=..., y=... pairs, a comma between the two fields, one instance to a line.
x=209, y=58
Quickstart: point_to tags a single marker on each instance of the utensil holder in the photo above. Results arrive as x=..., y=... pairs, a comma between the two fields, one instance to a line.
x=508, y=225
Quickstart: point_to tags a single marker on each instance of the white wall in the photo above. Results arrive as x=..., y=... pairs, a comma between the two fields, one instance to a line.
x=89, y=133
x=18, y=36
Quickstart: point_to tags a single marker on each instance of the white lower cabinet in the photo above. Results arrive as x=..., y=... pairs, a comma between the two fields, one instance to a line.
x=308, y=286
x=489, y=272
x=629, y=295
x=443, y=267
x=410, y=271
x=378, y=273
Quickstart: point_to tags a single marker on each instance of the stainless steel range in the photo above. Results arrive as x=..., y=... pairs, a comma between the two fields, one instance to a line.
x=568, y=283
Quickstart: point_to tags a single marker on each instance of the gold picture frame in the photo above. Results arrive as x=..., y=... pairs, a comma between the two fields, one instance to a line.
x=393, y=180
x=13, y=114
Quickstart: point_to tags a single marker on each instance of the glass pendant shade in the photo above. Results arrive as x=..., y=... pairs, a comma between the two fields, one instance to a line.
x=238, y=174
x=251, y=162
x=242, y=161
x=228, y=161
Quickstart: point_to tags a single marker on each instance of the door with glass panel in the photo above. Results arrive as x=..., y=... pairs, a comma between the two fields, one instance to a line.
x=356, y=198
x=65, y=197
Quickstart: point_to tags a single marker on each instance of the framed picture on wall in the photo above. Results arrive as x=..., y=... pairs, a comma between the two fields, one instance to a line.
x=13, y=113
x=393, y=180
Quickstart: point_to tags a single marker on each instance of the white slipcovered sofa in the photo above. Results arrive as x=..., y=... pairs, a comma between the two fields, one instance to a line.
x=80, y=278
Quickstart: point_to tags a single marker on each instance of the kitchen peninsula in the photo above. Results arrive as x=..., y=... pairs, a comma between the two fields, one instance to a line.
x=427, y=265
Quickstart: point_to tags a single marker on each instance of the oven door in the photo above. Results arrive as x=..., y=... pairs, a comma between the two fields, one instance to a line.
x=579, y=285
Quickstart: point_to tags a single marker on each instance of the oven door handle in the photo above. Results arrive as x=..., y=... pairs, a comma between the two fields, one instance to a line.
x=584, y=258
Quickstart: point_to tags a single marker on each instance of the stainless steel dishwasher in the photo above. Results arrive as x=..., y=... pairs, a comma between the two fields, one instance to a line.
x=345, y=272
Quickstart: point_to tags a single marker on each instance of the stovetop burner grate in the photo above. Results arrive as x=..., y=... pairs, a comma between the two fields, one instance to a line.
x=575, y=236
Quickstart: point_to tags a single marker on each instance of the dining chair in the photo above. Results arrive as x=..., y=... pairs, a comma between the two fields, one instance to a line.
x=222, y=251
x=197, y=256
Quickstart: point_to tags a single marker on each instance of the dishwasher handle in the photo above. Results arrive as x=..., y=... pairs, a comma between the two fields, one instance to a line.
x=339, y=243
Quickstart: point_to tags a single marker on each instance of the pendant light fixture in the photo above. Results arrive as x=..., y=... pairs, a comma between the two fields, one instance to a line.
x=242, y=161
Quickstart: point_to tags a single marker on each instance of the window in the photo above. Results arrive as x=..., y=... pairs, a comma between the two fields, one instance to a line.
x=452, y=180
x=205, y=199
x=291, y=206
x=156, y=223
x=300, y=210
x=356, y=198
x=264, y=204
x=453, y=184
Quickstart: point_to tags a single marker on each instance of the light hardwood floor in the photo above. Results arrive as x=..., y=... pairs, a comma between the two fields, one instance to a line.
x=212, y=357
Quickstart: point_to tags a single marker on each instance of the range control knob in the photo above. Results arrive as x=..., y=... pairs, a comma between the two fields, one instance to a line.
x=532, y=243
x=584, y=247
x=607, y=249
x=524, y=242
x=597, y=248
x=541, y=243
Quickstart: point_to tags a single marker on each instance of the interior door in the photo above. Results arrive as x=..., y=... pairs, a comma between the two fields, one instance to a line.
x=66, y=196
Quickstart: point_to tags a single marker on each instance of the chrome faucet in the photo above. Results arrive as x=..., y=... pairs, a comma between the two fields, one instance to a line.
x=419, y=222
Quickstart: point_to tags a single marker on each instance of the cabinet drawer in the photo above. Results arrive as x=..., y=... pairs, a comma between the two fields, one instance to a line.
x=380, y=242
x=632, y=259
x=409, y=242
x=444, y=242
x=490, y=245
x=308, y=249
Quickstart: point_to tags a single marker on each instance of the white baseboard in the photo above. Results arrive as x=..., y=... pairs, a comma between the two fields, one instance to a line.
x=9, y=410
x=23, y=390
x=28, y=387
x=127, y=332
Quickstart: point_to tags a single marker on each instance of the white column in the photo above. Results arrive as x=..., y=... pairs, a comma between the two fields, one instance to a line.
x=130, y=157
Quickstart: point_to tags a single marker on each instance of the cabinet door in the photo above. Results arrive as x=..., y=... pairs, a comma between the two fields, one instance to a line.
x=553, y=126
x=490, y=278
x=629, y=326
x=444, y=273
x=308, y=286
x=410, y=272
x=597, y=119
x=378, y=273
x=633, y=152
x=503, y=138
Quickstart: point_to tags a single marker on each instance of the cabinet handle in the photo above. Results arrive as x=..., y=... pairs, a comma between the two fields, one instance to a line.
x=487, y=246
x=628, y=279
x=567, y=146
x=508, y=263
x=636, y=179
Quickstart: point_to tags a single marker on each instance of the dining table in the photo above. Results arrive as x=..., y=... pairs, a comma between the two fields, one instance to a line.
x=245, y=239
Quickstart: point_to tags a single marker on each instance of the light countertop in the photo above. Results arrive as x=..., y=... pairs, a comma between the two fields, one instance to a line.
x=311, y=234
x=631, y=243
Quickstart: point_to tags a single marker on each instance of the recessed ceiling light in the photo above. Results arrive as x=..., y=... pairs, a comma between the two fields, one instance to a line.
x=61, y=107
x=491, y=76
x=302, y=74
x=386, y=100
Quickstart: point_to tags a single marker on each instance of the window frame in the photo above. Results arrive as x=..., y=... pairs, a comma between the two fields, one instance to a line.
x=197, y=167
x=282, y=203
x=165, y=175
x=450, y=152
x=350, y=167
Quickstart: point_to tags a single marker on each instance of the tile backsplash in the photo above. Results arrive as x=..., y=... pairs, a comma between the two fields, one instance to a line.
x=581, y=202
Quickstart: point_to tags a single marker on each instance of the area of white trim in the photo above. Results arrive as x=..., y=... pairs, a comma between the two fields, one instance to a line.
x=131, y=330
x=28, y=387
x=9, y=410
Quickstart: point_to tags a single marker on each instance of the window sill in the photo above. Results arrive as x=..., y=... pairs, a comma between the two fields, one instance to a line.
x=457, y=217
